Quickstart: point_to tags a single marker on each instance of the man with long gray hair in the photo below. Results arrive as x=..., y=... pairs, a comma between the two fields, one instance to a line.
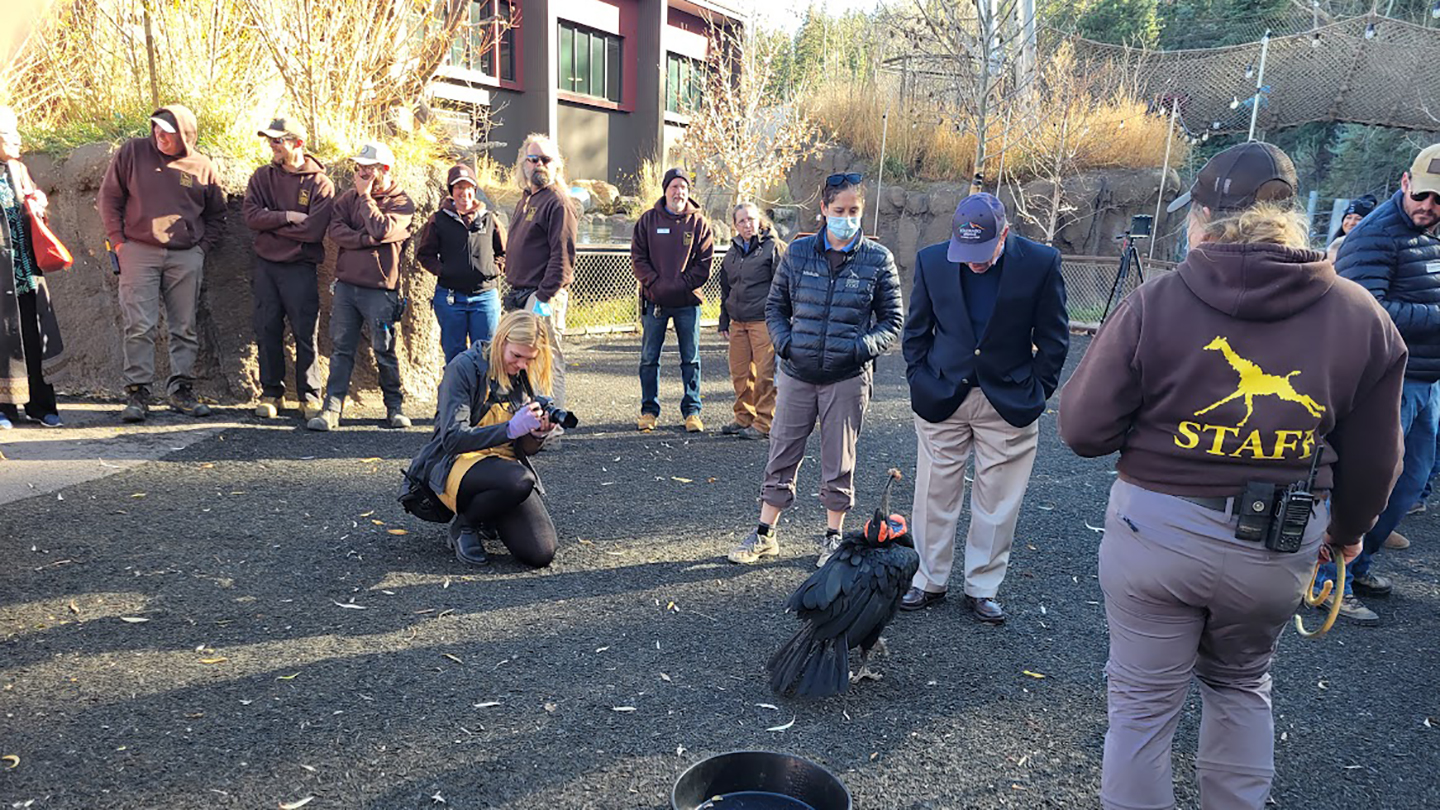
x=540, y=262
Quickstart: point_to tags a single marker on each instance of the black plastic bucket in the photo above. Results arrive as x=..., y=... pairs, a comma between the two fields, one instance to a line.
x=758, y=780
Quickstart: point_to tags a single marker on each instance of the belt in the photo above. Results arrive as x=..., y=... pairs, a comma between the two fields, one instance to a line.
x=1216, y=504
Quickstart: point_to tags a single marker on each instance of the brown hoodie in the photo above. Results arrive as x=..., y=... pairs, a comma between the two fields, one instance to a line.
x=542, y=242
x=275, y=190
x=1227, y=370
x=671, y=254
x=170, y=202
x=371, y=232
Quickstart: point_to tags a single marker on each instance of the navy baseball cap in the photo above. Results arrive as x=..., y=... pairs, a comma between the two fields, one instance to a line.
x=976, y=228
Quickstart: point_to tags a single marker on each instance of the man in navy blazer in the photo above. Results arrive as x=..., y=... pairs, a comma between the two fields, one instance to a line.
x=984, y=343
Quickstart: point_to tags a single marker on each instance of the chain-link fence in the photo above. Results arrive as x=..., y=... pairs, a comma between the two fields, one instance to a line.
x=605, y=296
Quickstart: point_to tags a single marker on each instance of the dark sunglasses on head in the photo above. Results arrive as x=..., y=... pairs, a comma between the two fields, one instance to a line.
x=844, y=179
x=540, y=159
x=1424, y=195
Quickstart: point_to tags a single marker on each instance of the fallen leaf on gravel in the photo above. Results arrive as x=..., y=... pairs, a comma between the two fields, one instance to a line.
x=768, y=706
x=73, y=607
x=137, y=494
x=487, y=704
x=297, y=804
x=874, y=755
x=782, y=728
x=601, y=649
x=286, y=677
x=134, y=619
x=377, y=522
x=679, y=750
x=622, y=708
x=397, y=531
x=369, y=460
x=350, y=605
x=11, y=761
x=582, y=541
x=220, y=660
x=310, y=768
x=1035, y=675
x=1427, y=723
x=1323, y=685
x=681, y=480
x=456, y=659
x=207, y=466
x=367, y=514
x=666, y=678
x=1045, y=507
x=709, y=480
x=551, y=707
x=1100, y=529
x=437, y=798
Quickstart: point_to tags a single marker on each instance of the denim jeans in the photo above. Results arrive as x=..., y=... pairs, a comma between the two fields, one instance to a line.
x=1419, y=414
x=653, y=320
x=355, y=311
x=465, y=318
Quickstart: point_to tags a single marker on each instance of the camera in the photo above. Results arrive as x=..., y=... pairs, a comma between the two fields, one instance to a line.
x=1141, y=226
x=556, y=414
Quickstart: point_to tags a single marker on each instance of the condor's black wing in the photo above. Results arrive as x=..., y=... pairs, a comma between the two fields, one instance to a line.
x=856, y=593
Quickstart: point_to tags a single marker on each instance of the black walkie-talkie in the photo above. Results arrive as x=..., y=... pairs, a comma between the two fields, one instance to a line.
x=1293, y=509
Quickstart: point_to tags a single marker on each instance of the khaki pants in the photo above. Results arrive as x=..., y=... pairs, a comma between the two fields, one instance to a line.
x=1004, y=456
x=840, y=407
x=1185, y=600
x=752, y=372
x=150, y=277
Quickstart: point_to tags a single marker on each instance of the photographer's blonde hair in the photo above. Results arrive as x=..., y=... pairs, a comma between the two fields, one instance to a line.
x=524, y=329
x=549, y=147
x=1264, y=223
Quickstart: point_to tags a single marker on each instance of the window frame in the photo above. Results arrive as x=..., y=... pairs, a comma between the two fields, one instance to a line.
x=578, y=73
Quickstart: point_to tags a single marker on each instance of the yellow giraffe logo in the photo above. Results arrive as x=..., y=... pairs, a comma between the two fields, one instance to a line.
x=1254, y=382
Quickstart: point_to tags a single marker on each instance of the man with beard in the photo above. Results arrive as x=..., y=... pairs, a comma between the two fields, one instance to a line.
x=540, y=257
x=287, y=205
x=1395, y=254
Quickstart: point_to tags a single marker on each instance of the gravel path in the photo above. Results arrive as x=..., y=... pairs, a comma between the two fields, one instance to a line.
x=252, y=621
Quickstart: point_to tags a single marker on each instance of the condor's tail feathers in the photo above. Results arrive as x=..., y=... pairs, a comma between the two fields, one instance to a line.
x=811, y=668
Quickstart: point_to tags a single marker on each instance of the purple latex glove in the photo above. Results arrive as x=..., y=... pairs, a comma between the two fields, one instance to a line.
x=526, y=420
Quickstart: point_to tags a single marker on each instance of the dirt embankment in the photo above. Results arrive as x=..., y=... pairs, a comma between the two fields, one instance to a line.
x=86, y=303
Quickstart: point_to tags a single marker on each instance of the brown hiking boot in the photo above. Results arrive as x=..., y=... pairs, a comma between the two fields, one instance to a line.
x=137, y=404
x=184, y=401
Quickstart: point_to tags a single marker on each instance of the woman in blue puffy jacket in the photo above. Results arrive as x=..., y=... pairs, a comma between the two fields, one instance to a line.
x=834, y=307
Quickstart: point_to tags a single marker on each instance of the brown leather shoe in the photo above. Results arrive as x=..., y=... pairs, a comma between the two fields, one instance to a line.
x=986, y=609
x=919, y=599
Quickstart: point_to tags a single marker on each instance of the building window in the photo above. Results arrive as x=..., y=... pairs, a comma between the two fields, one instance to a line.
x=486, y=25
x=685, y=82
x=589, y=62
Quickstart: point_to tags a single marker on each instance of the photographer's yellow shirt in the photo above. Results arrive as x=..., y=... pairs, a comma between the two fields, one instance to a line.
x=498, y=413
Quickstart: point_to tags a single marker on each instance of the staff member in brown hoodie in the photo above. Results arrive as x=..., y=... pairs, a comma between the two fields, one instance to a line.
x=163, y=210
x=540, y=262
x=371, y=223
x=671, y=251
x=287, y=205
x=1239, y=367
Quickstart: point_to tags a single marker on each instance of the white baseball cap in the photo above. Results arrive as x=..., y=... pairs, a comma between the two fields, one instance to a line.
x=164, y=124
x=372, y=152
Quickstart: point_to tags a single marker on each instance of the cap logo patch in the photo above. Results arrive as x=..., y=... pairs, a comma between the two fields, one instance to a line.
x=970, y=232
x=1434, y=167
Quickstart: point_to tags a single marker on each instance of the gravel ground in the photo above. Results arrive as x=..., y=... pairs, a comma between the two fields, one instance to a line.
x=253, y=621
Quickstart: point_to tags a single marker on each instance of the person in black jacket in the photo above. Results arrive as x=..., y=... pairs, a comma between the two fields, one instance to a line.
x=1395, y=254
x=464, y=247
x=981, y=301
x=488, y=425
x=834, y=307
x=745, y=276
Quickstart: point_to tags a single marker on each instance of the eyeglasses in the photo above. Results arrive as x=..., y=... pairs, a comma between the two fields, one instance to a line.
x=1427, y=195
x=540, y=159
x=280, y=140
x=844, y=179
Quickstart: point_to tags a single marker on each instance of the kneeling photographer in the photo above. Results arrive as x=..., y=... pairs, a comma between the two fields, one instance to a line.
x=493, y=414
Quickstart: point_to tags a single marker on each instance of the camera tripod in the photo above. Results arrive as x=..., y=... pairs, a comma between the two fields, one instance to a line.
x=1129, y=256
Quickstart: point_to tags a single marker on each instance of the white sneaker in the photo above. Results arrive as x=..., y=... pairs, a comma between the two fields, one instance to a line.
x=753, y=547
x=829, y=544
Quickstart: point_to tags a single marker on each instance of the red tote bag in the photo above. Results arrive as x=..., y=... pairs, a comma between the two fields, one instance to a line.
x=50, y=253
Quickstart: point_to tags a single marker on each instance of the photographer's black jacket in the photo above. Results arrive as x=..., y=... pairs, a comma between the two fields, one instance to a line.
x=461, y=402
x=1400, y=265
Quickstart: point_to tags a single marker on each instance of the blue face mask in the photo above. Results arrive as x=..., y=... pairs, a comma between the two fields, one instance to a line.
x=842, y=227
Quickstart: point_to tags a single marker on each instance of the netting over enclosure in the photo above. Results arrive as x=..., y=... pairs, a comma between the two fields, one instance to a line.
x=1365, y=70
